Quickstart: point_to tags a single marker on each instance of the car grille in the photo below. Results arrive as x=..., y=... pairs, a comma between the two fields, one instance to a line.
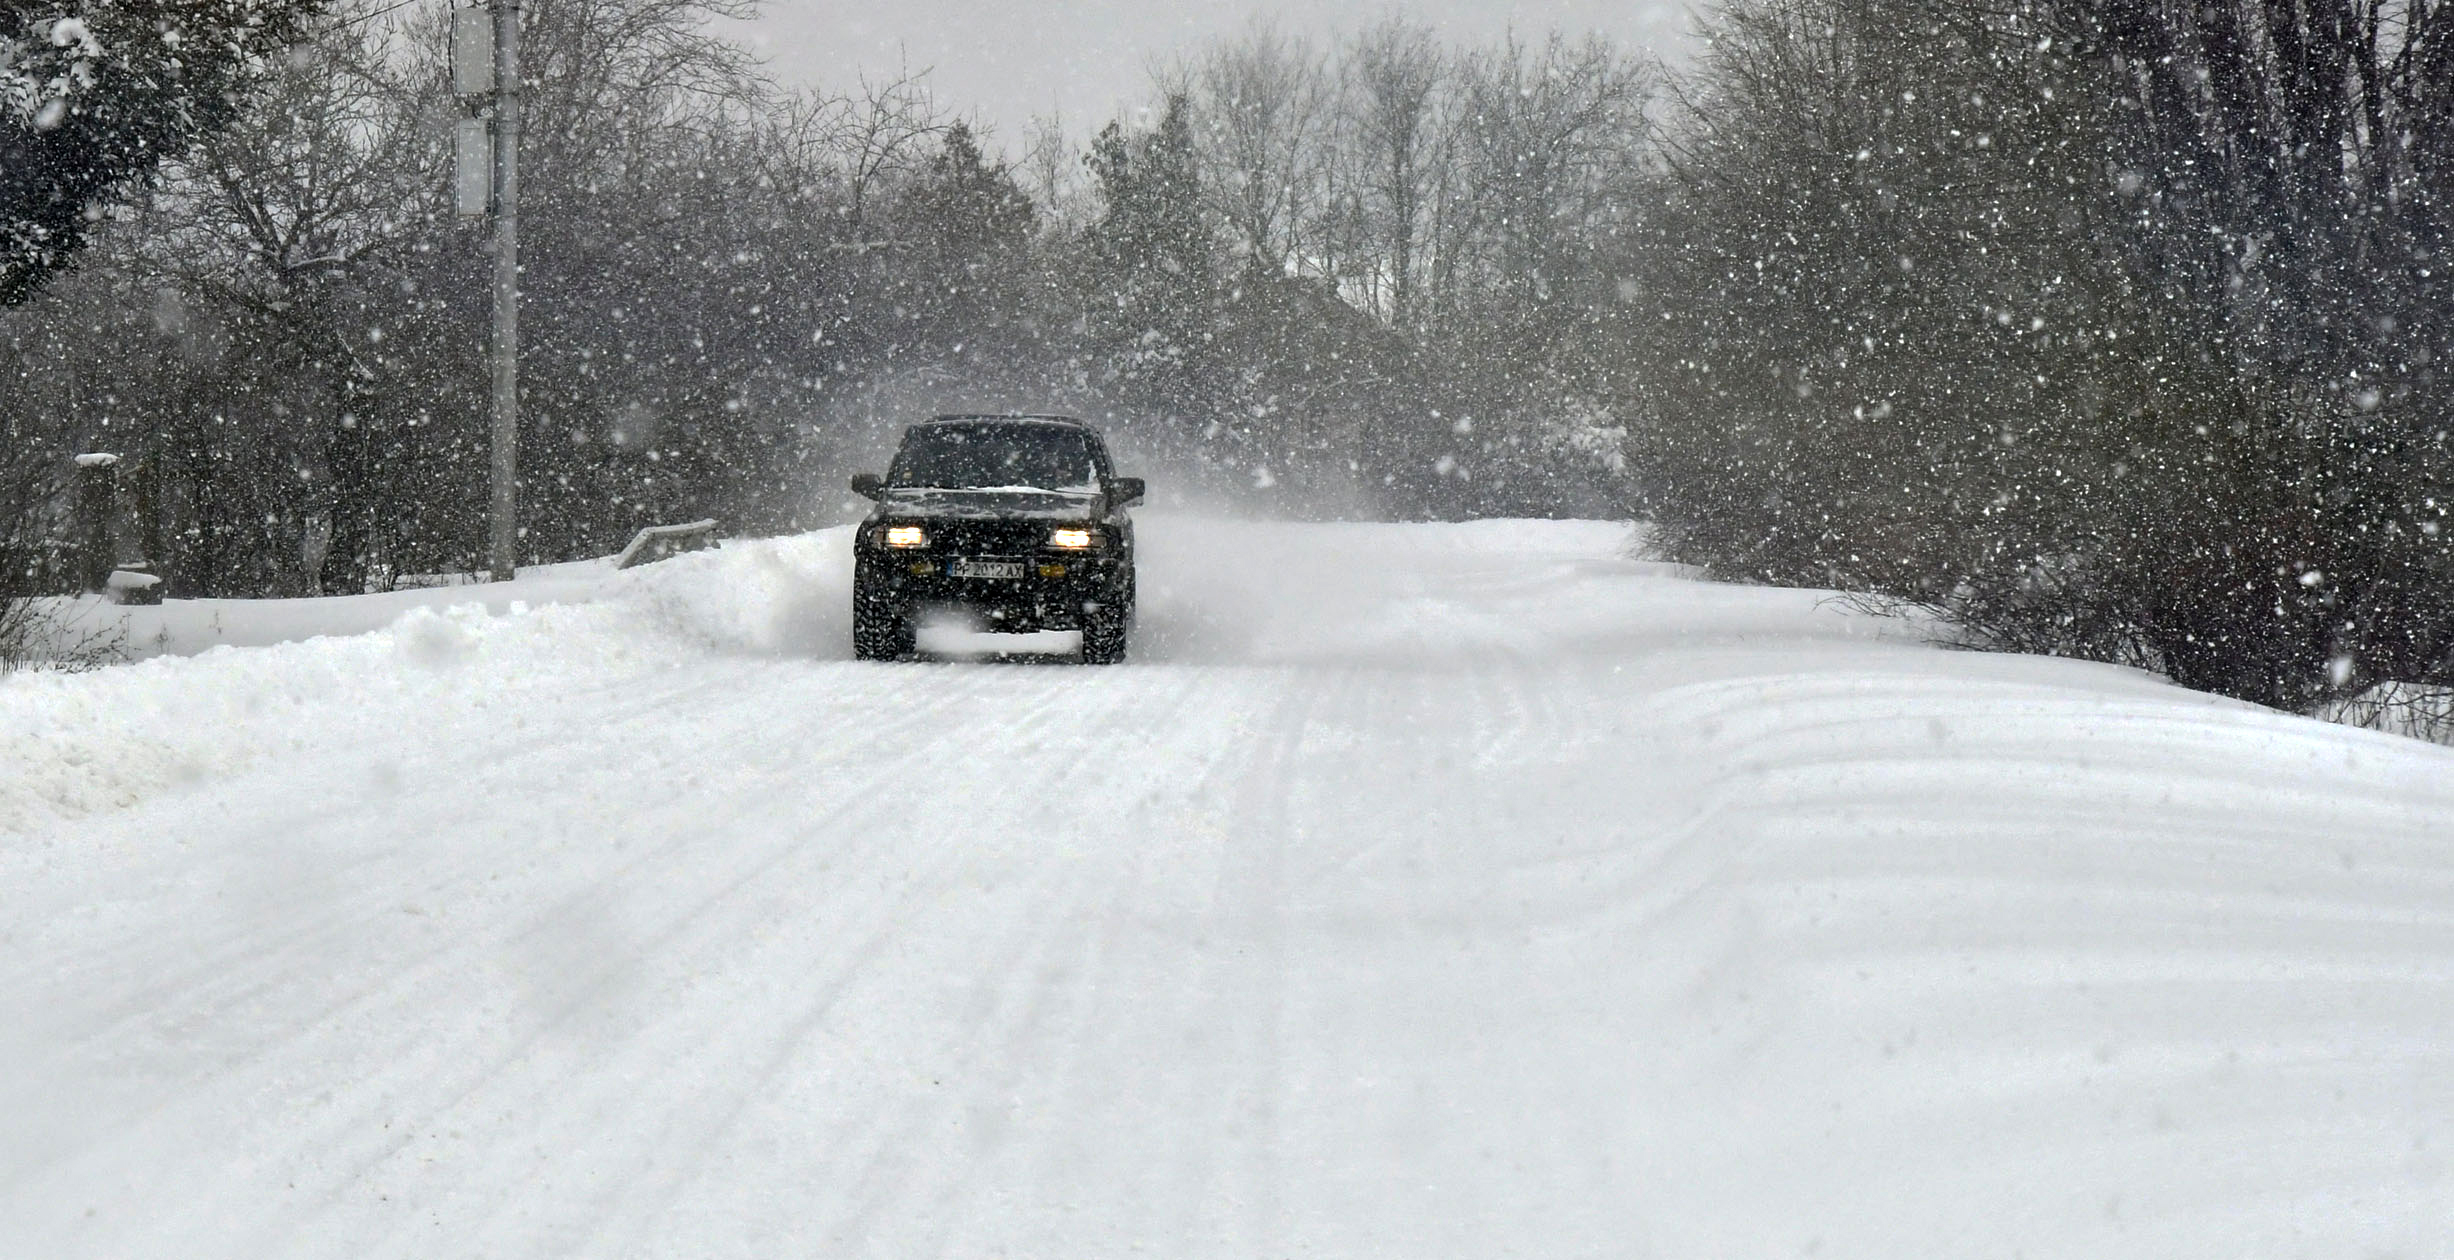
x=987, y=538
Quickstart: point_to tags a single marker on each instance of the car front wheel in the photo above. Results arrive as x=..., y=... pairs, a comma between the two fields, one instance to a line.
x=1104, y=629
x=880, y=629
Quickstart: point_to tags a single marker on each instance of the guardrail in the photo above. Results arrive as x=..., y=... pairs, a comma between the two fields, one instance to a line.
x=659, y=542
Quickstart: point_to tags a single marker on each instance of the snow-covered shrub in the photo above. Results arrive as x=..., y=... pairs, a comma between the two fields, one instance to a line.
x=2402, y=708
x=96, y=93
x=1916, y=334
x=16, y=631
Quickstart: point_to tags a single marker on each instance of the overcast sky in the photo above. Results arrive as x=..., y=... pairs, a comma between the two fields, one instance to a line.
x=1006, y=61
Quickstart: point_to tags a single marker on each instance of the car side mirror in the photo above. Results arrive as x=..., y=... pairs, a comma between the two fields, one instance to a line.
x=1129, y=491
x=867, y=485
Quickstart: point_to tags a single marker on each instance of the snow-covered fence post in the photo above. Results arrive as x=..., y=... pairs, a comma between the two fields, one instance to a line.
x=96, y=506
x=108, y=559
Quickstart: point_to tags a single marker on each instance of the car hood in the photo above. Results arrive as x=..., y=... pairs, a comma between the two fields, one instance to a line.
x=1017, y=502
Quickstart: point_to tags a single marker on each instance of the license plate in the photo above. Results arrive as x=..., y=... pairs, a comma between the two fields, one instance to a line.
x=985, y=568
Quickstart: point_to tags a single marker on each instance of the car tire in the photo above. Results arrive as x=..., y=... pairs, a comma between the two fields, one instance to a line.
x=880, y=630
x=1105, y=629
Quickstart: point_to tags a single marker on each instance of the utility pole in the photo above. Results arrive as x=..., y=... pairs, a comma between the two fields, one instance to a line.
x=486, y=184
x=504, y=519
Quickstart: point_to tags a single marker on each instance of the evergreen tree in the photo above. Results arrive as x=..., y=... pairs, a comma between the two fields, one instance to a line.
x=1153, y=283
x=97, y=93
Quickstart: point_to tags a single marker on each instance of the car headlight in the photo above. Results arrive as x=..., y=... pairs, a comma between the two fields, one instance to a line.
x=1070, y=539
x=905, y=536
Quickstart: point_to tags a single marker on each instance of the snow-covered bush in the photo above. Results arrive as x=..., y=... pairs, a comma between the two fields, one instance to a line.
x=96, y=93
x=16, y=631
x=1987, y=309
x=2402, y=708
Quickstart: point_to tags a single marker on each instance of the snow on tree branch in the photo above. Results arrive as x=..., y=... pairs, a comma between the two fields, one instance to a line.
x=97, y=93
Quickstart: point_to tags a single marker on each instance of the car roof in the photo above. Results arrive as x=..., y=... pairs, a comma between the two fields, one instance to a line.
x=1005, y=417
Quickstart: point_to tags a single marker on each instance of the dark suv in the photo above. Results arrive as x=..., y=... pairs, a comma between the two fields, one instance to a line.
x=1020, y=518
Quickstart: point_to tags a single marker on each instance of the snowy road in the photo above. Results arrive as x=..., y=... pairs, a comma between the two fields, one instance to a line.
x=1418, y=891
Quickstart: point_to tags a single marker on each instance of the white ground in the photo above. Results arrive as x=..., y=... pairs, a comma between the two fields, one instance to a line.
x=1418, y=891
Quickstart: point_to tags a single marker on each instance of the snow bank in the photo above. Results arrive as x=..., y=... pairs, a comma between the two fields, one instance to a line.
x=351, y=668
x=1212, y=593
x=185, y=627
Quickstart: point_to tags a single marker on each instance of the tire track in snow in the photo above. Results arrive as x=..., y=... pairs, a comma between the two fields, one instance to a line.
x=692, y=932
x=940, y=1167
x=1027, y=768
x=1249, y=988
x=299, y=953
x=1036, y=948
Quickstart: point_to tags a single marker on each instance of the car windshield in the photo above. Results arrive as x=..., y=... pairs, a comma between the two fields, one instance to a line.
x=995, y=456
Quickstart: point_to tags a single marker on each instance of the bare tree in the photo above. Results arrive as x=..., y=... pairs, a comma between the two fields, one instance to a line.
x=1392, y=78
x=95, y=98
x=605, y=76
x=1261, y=112
x=1551, y=139
x=884, y=131
x=268, y=241
x=730, y=285
x=1051, y=171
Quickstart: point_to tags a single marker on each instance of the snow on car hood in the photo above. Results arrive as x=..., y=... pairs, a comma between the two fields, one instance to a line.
x=1029, y=502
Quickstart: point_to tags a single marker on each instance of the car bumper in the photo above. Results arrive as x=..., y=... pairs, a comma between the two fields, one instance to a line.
x=1041, y=599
